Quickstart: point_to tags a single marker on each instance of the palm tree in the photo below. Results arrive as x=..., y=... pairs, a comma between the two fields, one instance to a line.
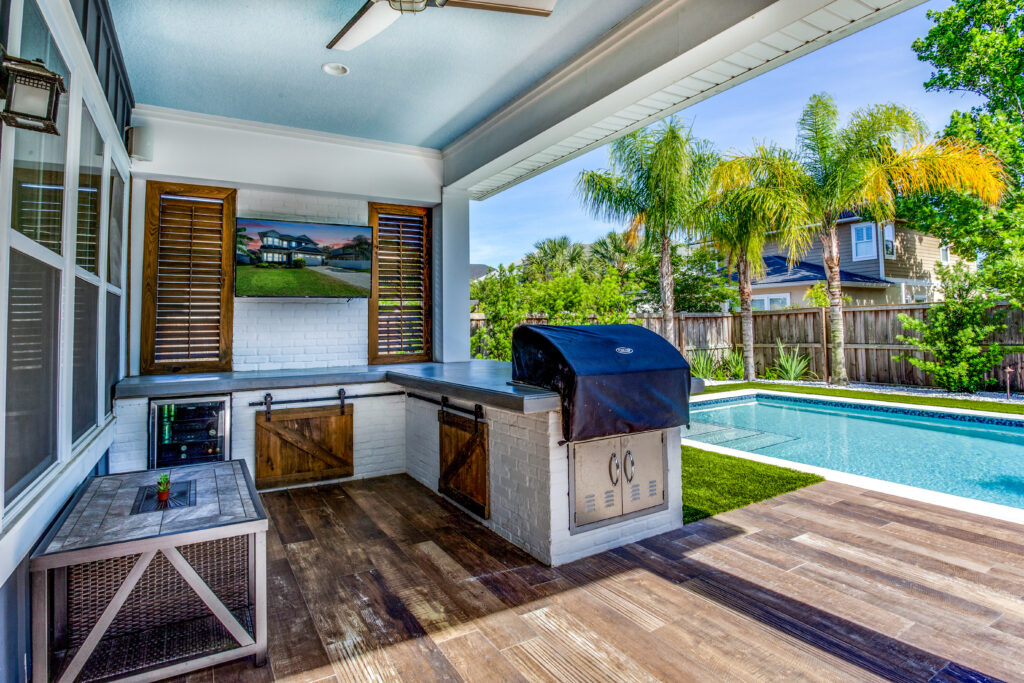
x=880, y=153
x=615, y=251
x=740, y=219
x=655, y=181
x=555, y=256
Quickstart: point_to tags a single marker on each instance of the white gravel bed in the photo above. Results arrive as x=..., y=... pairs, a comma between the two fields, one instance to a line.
x=999, y=397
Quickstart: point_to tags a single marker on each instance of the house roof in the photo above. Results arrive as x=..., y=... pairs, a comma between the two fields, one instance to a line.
x=778, y=272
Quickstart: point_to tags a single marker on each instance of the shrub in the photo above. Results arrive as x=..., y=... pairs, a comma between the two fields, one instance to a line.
x=298, y=262
x=955, y=332
x=703, y=364
x=791, y=365
x=262, y=264
x=817, y=295
x=733, y=364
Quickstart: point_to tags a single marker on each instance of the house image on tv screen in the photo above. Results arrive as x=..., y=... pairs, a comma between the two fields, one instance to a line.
x=277, y=247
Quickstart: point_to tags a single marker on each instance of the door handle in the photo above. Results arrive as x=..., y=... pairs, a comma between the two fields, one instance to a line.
x=613, y=474
x=632, y=466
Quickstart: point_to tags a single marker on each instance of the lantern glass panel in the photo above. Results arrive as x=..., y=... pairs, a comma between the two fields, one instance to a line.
x=39, y=158
x=29, y=97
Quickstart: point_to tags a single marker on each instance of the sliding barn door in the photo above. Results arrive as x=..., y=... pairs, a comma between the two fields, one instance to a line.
x=464, y=463
x=301, y=445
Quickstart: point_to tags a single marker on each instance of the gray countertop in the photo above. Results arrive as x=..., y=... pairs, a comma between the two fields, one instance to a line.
x=477, y=381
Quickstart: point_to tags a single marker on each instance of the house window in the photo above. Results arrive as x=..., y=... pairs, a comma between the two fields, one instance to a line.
x=90, y=180
x=944, y=254
x=400, y=310
x=864, y=241
x=188, y=269
x=770, y=302
x=889, y=241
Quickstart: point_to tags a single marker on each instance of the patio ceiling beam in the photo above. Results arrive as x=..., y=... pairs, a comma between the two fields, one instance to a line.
x=667, y=56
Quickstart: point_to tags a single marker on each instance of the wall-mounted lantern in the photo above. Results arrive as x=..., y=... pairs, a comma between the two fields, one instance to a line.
x=32, y=93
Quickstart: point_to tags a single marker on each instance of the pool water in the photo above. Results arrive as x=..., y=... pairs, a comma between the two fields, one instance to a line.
x=972, y=456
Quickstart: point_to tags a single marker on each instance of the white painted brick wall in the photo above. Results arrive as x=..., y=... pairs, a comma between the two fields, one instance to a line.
x=378, y=429
x=275, y=334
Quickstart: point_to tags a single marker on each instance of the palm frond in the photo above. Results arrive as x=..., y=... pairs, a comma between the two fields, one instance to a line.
x=818, y=135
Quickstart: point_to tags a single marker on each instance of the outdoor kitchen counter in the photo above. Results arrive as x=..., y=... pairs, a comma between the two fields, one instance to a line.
x=476, y=381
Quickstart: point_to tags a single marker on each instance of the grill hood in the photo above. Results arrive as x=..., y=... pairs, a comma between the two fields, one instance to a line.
x=613, y=379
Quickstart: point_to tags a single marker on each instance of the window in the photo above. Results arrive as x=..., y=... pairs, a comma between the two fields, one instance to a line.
x=188, y=269
x=944, y=254
x=400, y=302
x=114, y=341
x=864, y=241
x=83, y=354
x=90, y=179
x=769, y=302
x=38, y=191
x=33, y=325
x=114, y=228
x=889, y=241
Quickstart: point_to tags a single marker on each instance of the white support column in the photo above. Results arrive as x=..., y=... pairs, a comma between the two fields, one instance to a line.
x=451, y=277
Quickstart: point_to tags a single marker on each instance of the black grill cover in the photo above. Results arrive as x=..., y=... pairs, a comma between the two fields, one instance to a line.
x=613, y=379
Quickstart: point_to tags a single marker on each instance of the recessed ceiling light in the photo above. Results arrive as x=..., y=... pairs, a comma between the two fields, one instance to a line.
x=335, y=69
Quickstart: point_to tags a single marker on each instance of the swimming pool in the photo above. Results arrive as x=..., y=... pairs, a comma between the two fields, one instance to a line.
x=974, y=456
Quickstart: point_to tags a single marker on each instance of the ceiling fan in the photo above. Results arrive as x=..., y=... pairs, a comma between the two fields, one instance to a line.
x=376, y=15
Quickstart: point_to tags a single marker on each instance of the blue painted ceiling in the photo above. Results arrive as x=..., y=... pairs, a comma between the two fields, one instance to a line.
x=425, y=80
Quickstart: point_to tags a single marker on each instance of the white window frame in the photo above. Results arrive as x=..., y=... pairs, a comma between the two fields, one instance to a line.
x=944, y=255
x=25, y=516
x=853, y=241
x=767, y=299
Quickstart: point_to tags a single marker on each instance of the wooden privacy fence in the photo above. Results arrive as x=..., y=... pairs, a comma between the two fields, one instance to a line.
x=870, y=336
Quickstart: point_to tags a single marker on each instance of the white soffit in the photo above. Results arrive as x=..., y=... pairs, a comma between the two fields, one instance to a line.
x=818, y=28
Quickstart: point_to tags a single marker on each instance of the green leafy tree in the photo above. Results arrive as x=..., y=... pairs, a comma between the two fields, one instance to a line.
x=655, y=180
x=699, y=284
x=616, y=251
x=510, y=298
x=817, y=295
x=977, y=46
x=756, y=198
x=957, y=333
x=501, y=297
x=880, y=153
x=556, y=256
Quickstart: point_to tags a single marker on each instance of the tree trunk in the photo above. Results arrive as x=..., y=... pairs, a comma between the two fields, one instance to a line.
x=668, y=288
x=830, y=253
x=746, y=319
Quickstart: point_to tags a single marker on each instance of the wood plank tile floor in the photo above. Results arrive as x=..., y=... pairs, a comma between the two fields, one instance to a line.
x=382, y=580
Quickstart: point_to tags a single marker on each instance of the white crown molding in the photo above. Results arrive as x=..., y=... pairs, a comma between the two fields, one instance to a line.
x=622, y=32
x=143, y=113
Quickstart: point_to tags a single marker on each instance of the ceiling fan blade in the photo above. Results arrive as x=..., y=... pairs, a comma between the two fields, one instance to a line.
x=371, y=19
x=539, y=8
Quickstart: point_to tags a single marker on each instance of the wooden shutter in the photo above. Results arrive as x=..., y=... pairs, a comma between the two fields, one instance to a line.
x=400, y=302
x=188, y=272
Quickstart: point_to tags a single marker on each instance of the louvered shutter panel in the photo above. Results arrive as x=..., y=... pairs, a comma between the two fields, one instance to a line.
x=189, y=268
x=400, y=304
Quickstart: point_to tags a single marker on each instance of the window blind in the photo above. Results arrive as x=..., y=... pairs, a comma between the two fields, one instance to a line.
x=400, y=303
x=187, y=304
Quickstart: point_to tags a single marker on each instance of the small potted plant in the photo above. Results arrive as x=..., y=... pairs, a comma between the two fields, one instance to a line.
x=163, y=488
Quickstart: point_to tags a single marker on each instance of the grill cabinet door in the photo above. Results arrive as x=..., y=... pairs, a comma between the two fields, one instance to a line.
x=598, y=479
x=643, y=471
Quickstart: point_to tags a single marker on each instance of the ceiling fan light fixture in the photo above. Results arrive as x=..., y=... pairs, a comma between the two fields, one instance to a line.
x=408, y=5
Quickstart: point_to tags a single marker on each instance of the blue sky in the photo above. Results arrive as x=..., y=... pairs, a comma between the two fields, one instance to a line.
x=873, y=66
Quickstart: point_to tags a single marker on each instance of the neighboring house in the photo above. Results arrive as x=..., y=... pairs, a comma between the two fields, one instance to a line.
x=277, y=247
x=478, y=270
x=878, y=264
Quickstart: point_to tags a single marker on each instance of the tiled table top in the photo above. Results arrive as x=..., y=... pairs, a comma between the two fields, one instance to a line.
x=101, y=514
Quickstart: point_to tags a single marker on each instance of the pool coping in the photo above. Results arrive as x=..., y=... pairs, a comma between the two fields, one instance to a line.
x=960, y=503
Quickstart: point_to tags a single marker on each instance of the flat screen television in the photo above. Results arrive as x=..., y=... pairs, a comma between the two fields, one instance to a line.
x=297, y=259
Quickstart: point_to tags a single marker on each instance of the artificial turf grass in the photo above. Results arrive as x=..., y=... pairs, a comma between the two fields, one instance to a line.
x=966, y=404
x=714, y=483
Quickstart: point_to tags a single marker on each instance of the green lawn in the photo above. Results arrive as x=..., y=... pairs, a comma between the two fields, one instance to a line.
x=714, y=483
x=253, y=281
x=969, y=404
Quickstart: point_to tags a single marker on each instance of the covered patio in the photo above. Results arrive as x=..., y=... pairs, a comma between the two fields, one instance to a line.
x=383, y=580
